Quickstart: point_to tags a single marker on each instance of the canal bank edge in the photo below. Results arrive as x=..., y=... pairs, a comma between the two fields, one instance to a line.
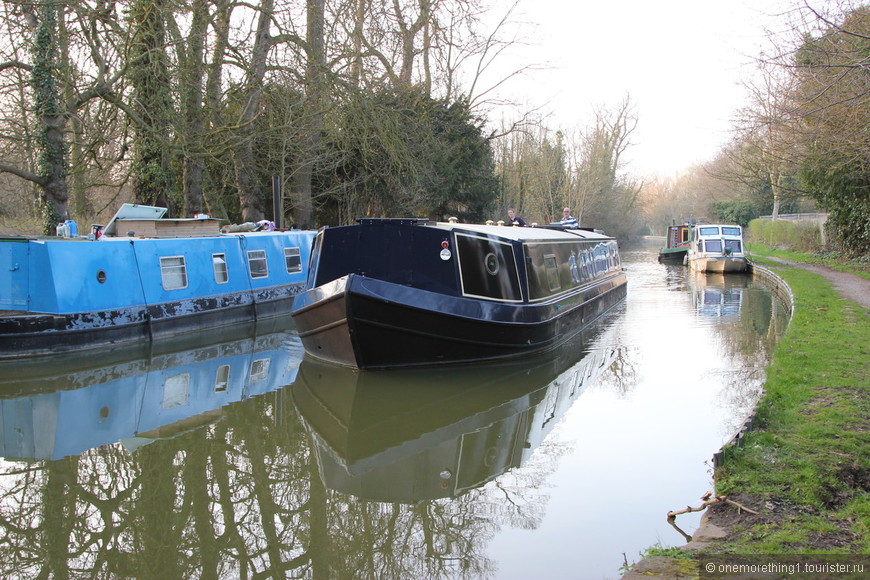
x=714, y=528
x=782, y=291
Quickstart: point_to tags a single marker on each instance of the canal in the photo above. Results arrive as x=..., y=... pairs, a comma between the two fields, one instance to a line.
x=234, y=456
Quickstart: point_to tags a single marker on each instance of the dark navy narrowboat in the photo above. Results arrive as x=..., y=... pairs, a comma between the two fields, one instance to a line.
x=155, y=277
x=405, y=292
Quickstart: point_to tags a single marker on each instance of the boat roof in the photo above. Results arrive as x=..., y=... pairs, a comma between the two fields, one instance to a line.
x=132, y=211
x=514, y=233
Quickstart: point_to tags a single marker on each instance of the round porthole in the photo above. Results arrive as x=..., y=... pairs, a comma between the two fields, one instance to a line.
x=101, y=276
x=491, y=263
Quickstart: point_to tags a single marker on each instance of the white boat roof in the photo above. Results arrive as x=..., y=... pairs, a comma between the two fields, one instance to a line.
x=522, y=233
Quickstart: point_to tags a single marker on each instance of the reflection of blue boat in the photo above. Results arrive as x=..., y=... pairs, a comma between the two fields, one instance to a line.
x=57, y=411
x=156, y=277
x=411, y=435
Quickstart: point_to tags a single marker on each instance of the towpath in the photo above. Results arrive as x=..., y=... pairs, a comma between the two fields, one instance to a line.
x=851, y=287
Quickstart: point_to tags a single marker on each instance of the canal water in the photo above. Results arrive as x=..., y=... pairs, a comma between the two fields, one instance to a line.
x=234, y=456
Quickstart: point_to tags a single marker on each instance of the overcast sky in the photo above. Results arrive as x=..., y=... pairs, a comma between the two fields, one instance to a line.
x=681, y=62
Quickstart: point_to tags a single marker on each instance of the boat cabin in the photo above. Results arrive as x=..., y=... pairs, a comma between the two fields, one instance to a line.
x=717, y=239
x=496, y=263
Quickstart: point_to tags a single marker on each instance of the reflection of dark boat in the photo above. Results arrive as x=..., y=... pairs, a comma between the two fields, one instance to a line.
x=146, y=277
x=404, y=292
x=411, y=435
x=65, y=407
x=676, y=245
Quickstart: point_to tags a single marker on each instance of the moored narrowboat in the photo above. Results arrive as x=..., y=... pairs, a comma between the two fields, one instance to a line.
x=407, y=292
x=716, y=248
x=676, y=244
x=143, y=278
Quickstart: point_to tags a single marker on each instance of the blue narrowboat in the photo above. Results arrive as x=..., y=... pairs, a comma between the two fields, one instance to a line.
x=405, y=292
x=146, y=277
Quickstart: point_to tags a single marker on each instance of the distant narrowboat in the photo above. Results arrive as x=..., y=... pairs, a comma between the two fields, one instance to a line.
x=677, y=244
x=716, y=248
x=143, y=277
x=406, y=292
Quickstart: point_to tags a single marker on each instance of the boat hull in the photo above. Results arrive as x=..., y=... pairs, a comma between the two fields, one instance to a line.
x=676, y=255
x=720, y=265
x=368, y=323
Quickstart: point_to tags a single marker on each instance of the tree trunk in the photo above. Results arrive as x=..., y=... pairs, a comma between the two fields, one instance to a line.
x=52, y=154
x=313, y=120
x=150, y=79
x=194, y=115
x=249, y=188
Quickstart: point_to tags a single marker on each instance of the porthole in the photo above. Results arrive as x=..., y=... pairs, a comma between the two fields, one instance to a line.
x=101, y=276
x=491, y=263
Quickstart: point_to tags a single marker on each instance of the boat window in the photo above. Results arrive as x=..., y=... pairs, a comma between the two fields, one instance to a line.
x=259, y=369
x=293, y=260
x=713, y=245
x=219, y=262
x=173, y=272
x=709, y=231
x=175, y=390
x=733, y=245
x=487, y=268
x=552, y=272
x=222, y=379
x=257, y=264
x=731, y=231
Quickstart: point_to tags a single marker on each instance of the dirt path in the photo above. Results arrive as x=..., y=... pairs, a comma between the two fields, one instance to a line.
x=852, y=287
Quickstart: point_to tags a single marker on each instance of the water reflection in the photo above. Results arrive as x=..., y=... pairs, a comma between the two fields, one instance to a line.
x=407, y=436
x=64, y=406
x=717, y=295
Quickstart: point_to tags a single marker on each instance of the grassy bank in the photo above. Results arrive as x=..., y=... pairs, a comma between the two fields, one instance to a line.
x=805, y=466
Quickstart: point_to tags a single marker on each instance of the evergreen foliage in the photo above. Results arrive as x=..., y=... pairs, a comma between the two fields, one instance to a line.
x=734, y=212
x=403, y=153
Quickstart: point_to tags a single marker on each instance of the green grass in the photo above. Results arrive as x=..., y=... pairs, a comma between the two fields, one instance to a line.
x=807, y=462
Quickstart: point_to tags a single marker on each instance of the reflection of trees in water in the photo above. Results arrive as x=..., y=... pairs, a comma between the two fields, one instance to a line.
x=620, y=376
x=745, y=340
x=238, y=498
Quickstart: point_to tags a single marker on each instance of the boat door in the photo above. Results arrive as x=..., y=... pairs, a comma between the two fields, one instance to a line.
x=15, y=289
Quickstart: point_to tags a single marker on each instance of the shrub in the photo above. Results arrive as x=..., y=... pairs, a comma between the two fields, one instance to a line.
x=797, y=236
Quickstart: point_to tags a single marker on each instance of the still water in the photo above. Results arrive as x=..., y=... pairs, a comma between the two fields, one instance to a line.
x=234, y=456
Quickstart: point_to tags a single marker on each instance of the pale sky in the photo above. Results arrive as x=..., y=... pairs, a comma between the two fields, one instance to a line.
x=681, y=62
